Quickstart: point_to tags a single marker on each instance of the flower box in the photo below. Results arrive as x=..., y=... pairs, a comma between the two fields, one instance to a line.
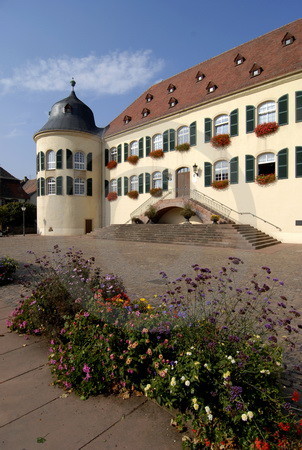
x=183, y=147
x=112, y=196
x=266, y=128
x=156, y=192
x=215, y=218
x=221, y=184
x=266, y=179
x=133, y=159
x=111, y=164
x=156, y=154
x=221, y=140
x=133, y=194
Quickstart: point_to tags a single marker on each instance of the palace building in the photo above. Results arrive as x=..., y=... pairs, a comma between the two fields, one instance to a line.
x=225, y=134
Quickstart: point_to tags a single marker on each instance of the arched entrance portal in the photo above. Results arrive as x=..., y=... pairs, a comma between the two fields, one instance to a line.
x=183, y=182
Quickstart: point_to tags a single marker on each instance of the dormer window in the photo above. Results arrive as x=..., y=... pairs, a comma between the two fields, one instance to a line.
x=211, y=87
x=149, y=97
x=288, y=39
x=171, y=88
x=239, y=60
x=145, y=112
x=199, y=76
x=172, y=102
x=255, y=70
x=127, y=119
x=67, y=109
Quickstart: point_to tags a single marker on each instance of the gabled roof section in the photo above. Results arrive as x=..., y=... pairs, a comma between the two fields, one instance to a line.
x=7, y=175
x=275, y=60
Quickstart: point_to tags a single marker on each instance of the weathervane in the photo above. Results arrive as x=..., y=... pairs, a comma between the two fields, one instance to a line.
x=73, y=83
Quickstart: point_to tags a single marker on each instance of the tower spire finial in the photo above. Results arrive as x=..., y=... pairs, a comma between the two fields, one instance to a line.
x=73, y=83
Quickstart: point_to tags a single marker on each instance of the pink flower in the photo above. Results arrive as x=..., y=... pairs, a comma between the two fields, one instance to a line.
x=86, y=368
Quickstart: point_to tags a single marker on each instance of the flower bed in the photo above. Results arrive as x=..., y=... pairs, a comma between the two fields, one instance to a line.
x=8, y=268
x=183, y=147
x=266, y=128
x=266, y=179
x=133, y=194
x=221, y=184
x=111, y=164
x=221, y=140
x=111, y=196
x=133, y=159
x=156, y=192
x=155, y=154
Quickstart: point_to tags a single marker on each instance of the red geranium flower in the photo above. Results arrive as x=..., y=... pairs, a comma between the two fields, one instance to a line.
x=296, y=396
x=284, y=426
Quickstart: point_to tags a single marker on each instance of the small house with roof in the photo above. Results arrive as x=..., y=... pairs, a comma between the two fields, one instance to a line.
x=11, y=189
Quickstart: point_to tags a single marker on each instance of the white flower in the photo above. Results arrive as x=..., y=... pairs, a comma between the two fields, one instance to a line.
x=278, y=363
x=267, y=372
x=208, y=410
x=226, y=374
x=250, y=415
x=194, y=400
x=173, y=381
x=207, y=366
x=244, y=417
x=147, y=387
x=196, y=406
x=210, y=417
x=187, y=383
x=183, y=378
x=189, y=353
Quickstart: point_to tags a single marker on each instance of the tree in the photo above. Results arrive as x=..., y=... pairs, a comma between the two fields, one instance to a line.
x=11, y=215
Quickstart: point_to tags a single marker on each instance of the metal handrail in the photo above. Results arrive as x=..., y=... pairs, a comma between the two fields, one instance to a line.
x=150, y=201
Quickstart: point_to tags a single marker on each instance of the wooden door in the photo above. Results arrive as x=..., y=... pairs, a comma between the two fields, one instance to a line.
x=183, y=182
x=88, y=226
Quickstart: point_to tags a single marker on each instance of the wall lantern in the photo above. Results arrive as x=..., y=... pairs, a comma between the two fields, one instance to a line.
x=195, y=169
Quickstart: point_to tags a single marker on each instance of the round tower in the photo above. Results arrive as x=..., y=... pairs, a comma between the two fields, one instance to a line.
x=68, y=149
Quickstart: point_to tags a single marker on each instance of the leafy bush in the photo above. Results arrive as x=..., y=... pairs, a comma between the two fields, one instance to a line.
x=8, y=267
x=11, y=215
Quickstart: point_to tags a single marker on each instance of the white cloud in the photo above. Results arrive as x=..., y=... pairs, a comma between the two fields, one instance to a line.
x=115, y=73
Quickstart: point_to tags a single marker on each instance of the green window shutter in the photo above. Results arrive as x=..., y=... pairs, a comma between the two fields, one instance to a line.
x=119, y=153
x=141, y=148
x=283, y=164
x=59, y=186
x=126, y=151
x=106, y=156
x=89, y=162
x=38, y=187
x=106, y=188
x=89, y=187
x=141, y=183
x=125, y=185
x=38, y=162
x=165, y=179
x=234, y=170
x=250, y=118
x=207, y=129
x=69, y=186
x=193, y=133
x=172, y=140
x=42, y=186
x=207, y=174
x=249, y=169
x=119, y=186
x=283, y=110
x=147, y=182
x=234, y=123
x=68, y=159
x=148, y=145
x=299, y=106
x=59, y=160
x=298, y=162
x=42, y=161
x=166, y=141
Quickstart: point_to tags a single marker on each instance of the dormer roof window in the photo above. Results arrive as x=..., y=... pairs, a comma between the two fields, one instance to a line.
x=199, y=76
x=172, y=102
x=211, y=87
x=255, y=70
x=171, y=88
x=288, y=39
x=239, y=60
x=145, y=112
x=67, y=109
x=127, y=119
x=149, y=97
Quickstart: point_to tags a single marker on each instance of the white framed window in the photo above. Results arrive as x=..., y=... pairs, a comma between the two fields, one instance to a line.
x=113, y=185
x=50, y=160
x=79, y=186
x=183, y=135
x=79, y=161
x=134, y=148
x=221, y=170
x=134, y=183
x=266, y=163
x=267, y=112
x=113, y=154
x=157, y=142
x=221, y=124
x=157, y=180
x=51, y=186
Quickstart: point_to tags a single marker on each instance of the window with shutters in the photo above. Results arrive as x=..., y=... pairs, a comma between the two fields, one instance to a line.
x=157, y=181
x=283, y=164
x=113, y=154
x=298, y=162
x=221, y=170
x=50, y=186
x=113, y=185
x=157, y=142
x=299, y=106
x=221, y=124
x=183, y=135
x=266, y=163
x=50, y=160
x=134, y=183
x=79, y=186
x=134, y=148
x=79, y=161
x=267, y=112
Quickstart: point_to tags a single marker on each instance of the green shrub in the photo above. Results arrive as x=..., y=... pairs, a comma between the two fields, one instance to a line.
x=8, y=267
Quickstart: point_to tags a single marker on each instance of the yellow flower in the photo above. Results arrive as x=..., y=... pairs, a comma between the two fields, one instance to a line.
x=142, y=300
x=226, y=374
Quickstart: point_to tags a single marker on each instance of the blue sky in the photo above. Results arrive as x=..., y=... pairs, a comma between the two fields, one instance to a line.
x=114, y=50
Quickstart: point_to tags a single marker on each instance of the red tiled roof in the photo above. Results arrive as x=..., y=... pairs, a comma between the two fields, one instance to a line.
x=12, y=189
x=30, y=186
x=5, y=174
x=266, y=51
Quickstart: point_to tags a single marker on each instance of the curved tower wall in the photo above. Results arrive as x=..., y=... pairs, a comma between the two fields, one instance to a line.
x=66, y=213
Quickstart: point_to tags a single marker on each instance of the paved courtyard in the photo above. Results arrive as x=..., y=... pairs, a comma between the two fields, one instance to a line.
x=32, y=408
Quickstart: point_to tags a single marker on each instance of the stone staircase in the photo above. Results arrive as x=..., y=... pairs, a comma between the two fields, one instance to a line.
x=210, y=235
